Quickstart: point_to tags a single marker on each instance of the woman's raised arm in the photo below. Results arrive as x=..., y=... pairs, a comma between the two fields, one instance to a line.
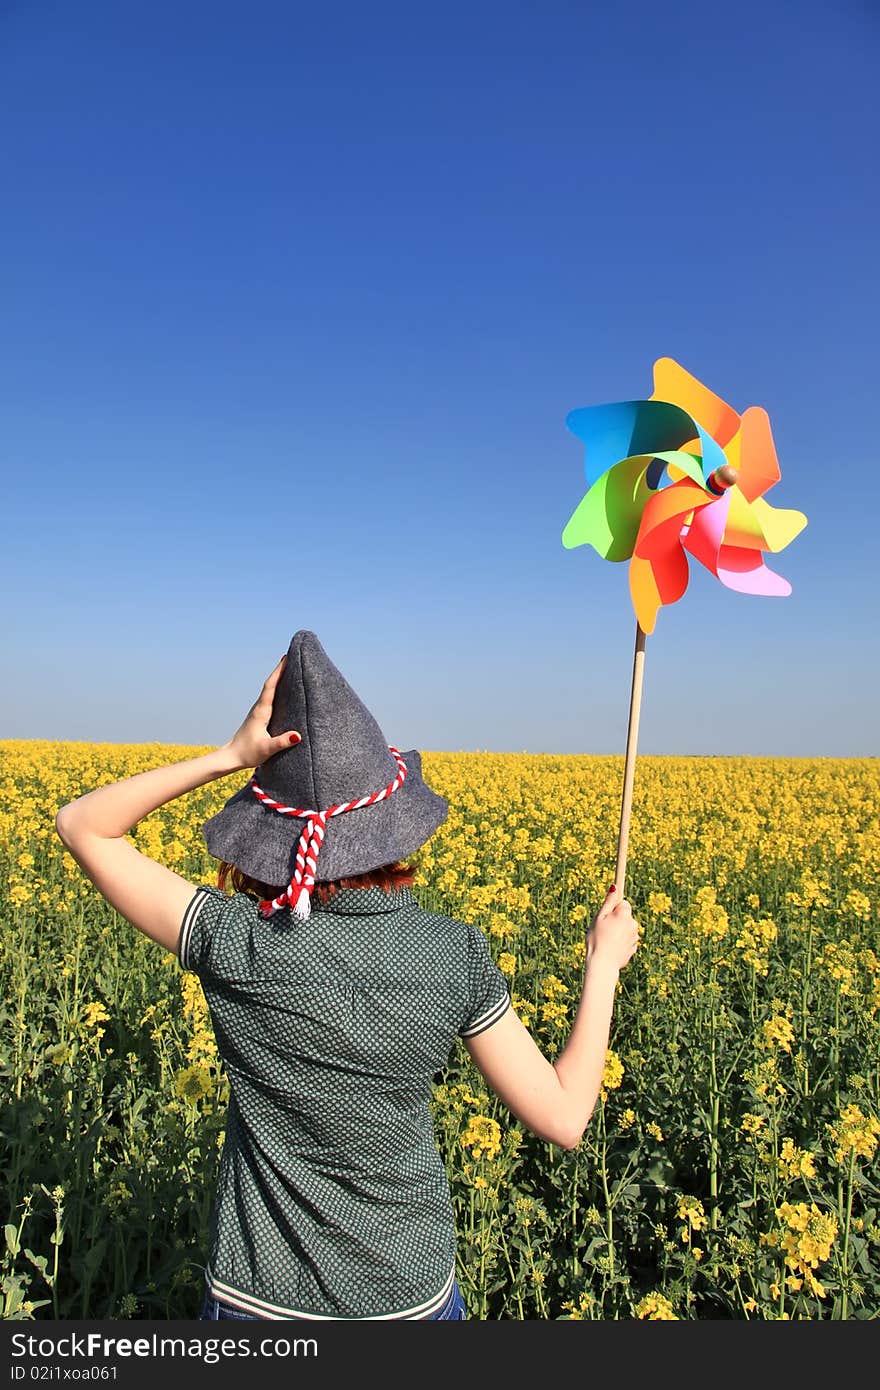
x=556, y=1099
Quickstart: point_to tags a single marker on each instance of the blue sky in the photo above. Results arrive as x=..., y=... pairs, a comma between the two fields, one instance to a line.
x=295, y=300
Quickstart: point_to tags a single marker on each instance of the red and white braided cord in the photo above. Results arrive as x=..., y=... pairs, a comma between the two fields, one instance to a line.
x=311, y=839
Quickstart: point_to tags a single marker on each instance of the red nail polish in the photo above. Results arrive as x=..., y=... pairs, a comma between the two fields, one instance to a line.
x=296, y=738
x=613, y=888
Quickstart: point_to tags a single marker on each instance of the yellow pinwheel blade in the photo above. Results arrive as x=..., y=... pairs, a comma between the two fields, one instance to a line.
x=758, y=526
x=780, y=525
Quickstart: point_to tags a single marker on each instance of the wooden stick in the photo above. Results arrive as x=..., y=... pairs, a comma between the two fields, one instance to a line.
x=719, y=481
x=629, y=770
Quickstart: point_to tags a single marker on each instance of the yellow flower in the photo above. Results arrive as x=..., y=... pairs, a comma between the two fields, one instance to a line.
x=764, y=1076
x=659, y=903
x=657, y=1308
x=752, y=1125
x=507, y=964
x=202, y=1046
x=855, y=904
x=524, y=1009
x=854, y=1133
x=92, y=1014
x=654, y=1130
x=482, y=1136
x=192, y=1084
x=806, y=1240
x=755, y=941
x=707, y=915
x=500, y=926
x=690, y=1209
x=25, y=861
x=841, y=963
x=555, y=1013
x=90, y=1019
x=794, y=1162
x=553, y=987
x=577, y=1310
x=777, y=1032
x=613, y=1074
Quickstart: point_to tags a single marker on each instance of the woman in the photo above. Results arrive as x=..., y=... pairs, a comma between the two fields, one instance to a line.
x=335, y=999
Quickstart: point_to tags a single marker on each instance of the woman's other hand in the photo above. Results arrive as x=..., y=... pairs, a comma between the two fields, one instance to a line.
x=252, y=744
x=613, y=935
x=556, y=1099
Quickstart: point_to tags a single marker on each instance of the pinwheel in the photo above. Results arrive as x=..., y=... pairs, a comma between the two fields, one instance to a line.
x=679, y=474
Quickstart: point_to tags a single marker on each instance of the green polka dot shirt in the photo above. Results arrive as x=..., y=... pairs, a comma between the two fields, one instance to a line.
x=332, y=1198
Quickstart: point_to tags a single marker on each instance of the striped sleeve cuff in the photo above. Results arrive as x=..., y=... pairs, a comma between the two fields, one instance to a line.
x=191, y=916
x=487, y=1018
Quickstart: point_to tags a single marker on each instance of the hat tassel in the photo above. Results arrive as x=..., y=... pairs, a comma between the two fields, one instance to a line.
x=303, y=905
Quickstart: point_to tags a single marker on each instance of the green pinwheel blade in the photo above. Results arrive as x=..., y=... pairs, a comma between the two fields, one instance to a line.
x=691, y=464
x=608, y=517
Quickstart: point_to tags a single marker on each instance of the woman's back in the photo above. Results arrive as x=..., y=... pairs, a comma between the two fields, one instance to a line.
x=332, y=1198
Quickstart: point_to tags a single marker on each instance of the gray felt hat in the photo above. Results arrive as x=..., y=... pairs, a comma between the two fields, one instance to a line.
x=343, y=756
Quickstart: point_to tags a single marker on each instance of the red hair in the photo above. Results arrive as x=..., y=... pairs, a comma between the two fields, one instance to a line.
x=388, y=877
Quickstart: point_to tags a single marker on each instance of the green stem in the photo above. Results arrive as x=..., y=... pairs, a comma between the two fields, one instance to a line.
x=541, y=1305
x=575, y=1262
x=805, y=987
x=483, y=1241
x=513, y=1279
x=715, y=1115
x=837, y=1049
x=609, y=1203
x=59, y=1212
x=844, y=1282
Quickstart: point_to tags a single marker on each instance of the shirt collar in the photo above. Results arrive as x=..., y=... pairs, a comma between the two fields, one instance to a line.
x=364, y=901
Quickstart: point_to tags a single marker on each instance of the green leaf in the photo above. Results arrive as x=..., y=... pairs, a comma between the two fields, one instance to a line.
x=94, y=1256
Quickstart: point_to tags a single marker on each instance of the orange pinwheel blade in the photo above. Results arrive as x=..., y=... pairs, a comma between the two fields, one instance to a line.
x=757, y=463
x=655, y=582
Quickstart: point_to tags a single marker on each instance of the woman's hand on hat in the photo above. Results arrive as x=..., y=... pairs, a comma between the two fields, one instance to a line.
x=252, y=744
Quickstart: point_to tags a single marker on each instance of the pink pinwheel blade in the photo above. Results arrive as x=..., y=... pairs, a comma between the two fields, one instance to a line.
x=704, y=536
x=745, y=571
x=738, y=567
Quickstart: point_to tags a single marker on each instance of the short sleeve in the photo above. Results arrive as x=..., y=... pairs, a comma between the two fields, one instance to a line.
x=201, y=931
x=488, y=991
